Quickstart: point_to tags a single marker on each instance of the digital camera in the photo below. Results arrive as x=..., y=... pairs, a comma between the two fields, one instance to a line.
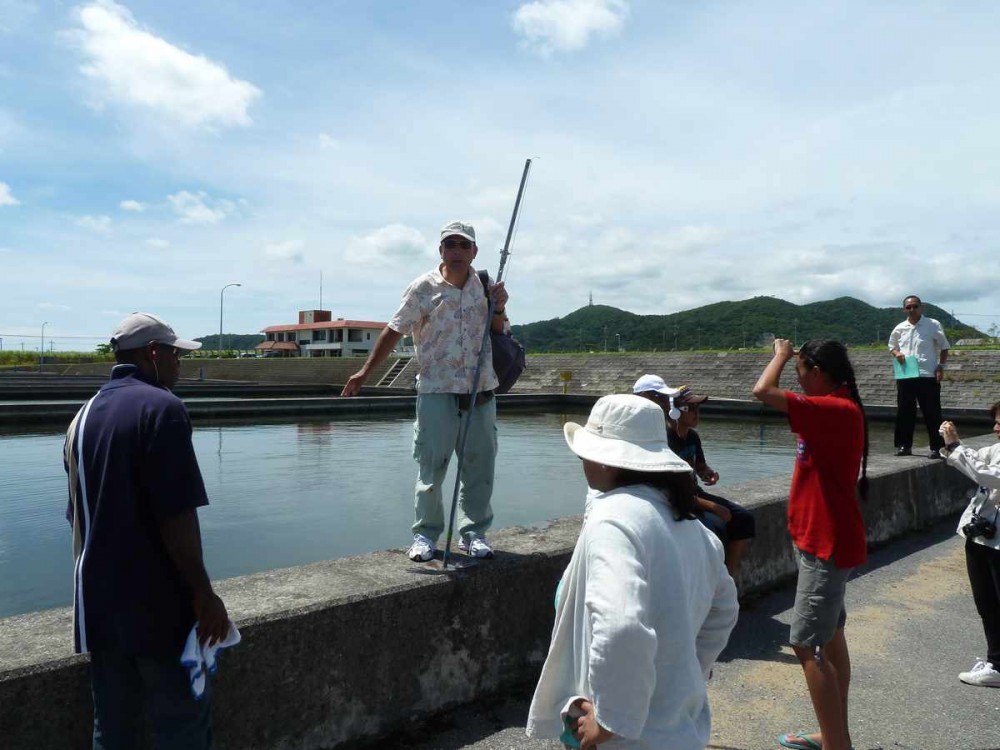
x=979, y=526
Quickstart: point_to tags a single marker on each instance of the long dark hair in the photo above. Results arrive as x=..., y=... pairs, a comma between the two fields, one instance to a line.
x=831, y=357
x=676, y=485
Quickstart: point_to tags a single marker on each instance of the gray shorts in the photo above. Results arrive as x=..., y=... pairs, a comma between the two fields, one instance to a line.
x=819, y=600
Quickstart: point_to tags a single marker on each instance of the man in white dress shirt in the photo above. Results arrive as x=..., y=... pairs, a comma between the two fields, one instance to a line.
x=922, y=338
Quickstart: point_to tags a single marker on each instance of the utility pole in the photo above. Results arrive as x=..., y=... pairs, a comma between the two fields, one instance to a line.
x=221, y=293
x=605, y=339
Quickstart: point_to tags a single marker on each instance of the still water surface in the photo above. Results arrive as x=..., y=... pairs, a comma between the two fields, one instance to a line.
x=285, y=494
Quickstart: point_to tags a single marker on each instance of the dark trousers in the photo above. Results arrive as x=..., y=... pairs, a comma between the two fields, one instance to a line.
x=983, y=564
x=742, y=525
x=123, y=684
x=909, y=393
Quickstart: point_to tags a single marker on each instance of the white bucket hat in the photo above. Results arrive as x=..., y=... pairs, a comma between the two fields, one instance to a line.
x=627, y=432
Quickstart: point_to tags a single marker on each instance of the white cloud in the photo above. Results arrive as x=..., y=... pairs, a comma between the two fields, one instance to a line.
x=157, y=243
x=389, y=245
x=327, y=142
x=6, y=197
x=53, y=306
x=131, y=66
x=289, y=251
x=567, y=25
x=101, y=224
x=198, y=208
x=132, y=206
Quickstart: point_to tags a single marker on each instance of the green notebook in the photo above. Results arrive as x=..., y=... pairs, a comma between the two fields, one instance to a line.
x=908, y=369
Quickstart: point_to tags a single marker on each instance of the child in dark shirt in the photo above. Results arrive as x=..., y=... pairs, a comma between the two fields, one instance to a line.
x=731, y=522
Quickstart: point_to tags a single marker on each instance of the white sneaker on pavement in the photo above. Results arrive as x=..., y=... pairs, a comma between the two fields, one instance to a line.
x=982, y=674
x=476, y=546
x=422, y=549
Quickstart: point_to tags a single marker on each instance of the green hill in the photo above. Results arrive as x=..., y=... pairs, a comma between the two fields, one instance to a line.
x=724, y=325
x=233, y=341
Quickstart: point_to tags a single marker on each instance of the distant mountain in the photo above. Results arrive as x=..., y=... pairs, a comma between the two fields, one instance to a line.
x=231, y=341
x=724, y=325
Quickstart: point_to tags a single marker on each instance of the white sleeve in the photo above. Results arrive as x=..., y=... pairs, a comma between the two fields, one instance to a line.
x=941, y=339
x=714, y=633
x=621, y=668
x=894, y=339
x=973, y=464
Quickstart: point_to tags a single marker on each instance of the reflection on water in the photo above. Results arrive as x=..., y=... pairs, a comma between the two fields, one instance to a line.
x=290, y=493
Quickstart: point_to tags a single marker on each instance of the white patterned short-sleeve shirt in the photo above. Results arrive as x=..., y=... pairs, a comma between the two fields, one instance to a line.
x=447, y=325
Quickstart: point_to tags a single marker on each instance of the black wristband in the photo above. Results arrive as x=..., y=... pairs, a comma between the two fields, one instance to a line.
x=952, y=446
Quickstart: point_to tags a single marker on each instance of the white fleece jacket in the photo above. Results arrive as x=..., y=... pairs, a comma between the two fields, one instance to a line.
x=645, y=607
x=983, y=467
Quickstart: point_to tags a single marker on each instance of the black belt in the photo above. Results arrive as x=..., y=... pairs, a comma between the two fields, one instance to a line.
x=482, y=397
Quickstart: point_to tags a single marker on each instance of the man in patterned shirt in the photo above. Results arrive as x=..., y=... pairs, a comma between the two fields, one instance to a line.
x=445, y=311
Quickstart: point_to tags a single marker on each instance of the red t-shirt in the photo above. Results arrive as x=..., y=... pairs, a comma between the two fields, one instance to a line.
x=824, y=517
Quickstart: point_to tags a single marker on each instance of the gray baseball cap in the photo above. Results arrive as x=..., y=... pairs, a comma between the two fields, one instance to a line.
x=139, y=329
x=459, y=228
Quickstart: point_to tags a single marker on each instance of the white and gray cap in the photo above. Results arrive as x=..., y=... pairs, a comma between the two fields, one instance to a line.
x=459, y=228
x=139, y=329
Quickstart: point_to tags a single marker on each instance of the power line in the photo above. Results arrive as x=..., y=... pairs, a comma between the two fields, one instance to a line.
x=35, y=336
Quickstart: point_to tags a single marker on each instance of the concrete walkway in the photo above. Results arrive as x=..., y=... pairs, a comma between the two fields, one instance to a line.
x=911, y=628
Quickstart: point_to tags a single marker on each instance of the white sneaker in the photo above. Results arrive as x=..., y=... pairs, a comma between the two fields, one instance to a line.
x=982, y=674
x=476, y=546
x=422, y=549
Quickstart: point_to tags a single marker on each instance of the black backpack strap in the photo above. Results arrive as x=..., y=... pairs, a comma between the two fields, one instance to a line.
x=484, y=277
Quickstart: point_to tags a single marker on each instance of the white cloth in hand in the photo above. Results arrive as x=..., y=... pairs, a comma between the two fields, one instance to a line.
x=200, y=659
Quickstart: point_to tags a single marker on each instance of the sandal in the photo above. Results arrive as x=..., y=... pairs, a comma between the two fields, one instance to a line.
x=799, y=741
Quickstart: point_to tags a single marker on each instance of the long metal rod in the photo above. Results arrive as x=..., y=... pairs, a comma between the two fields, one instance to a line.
x=463, y=437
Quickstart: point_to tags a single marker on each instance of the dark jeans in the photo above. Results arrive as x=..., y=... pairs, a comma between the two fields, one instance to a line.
x=122, y=684
x=741, y=526
x=983, y=564
x=909, y=393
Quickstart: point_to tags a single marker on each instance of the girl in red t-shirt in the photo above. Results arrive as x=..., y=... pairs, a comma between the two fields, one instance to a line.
x=824, y=519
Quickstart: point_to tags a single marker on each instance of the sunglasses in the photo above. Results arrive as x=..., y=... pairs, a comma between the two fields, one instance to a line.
x=452, y=244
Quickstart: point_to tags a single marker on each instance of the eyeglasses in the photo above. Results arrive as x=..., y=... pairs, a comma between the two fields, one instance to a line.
x=450, y=244
x=911, y=307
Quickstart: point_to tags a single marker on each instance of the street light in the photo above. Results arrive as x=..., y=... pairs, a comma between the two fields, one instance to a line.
x=41, y=352
x=221, y=293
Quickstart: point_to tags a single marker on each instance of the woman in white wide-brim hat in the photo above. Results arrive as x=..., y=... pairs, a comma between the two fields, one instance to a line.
x=645, y=605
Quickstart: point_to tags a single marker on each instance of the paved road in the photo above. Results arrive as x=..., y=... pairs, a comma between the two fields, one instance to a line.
x=911, y=628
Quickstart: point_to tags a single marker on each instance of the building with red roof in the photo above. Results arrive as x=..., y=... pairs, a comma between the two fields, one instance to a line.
x=317, y=334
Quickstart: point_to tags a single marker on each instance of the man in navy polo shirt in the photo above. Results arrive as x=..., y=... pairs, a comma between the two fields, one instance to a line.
x=140, y=583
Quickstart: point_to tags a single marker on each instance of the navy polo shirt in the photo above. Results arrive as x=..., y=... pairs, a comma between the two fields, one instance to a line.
x=136, y=467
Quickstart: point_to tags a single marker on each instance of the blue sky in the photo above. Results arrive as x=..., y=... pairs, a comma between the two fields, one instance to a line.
x=687, y=153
